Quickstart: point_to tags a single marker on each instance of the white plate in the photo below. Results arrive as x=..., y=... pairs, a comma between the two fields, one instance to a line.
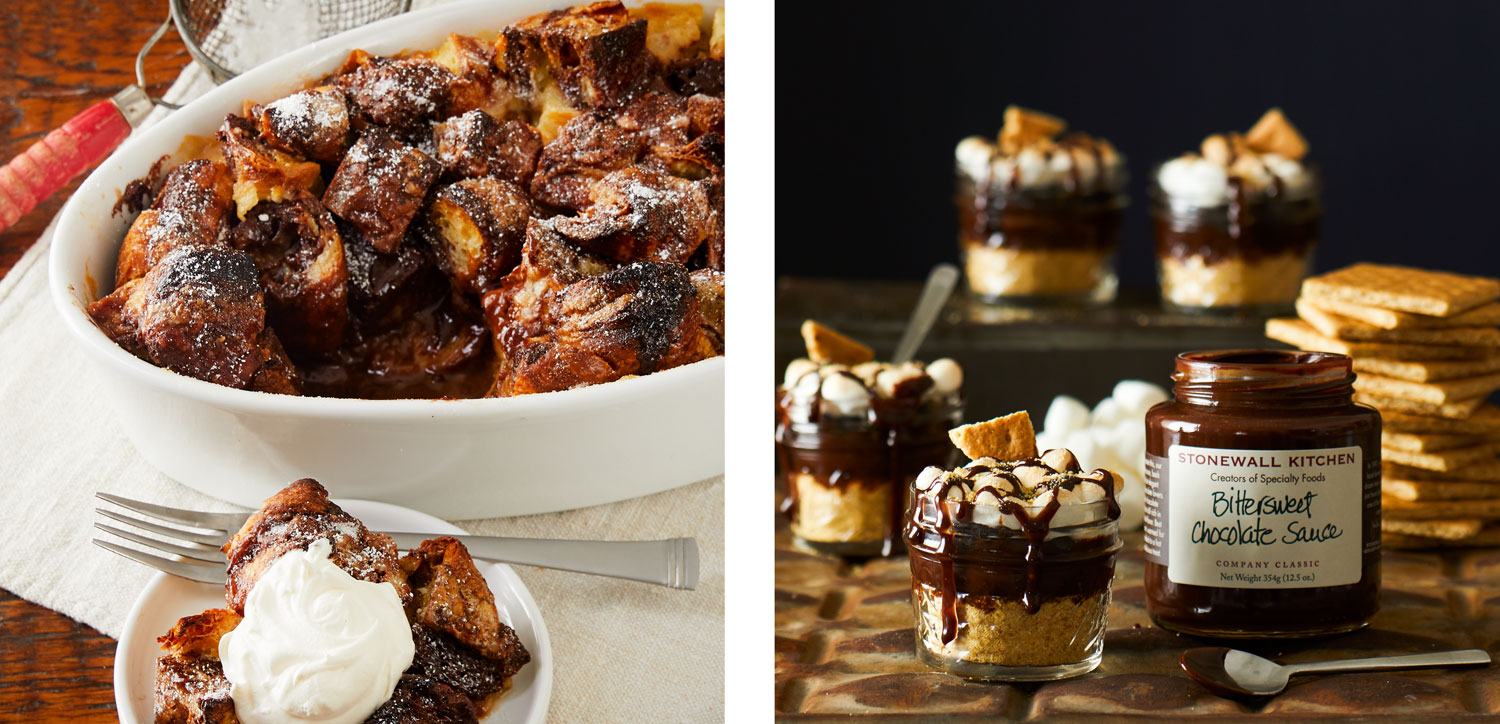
x=168, y=598
x=456, y=459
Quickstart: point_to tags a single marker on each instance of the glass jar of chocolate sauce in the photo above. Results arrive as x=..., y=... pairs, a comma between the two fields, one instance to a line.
x=846, y=477
x=1262, y=497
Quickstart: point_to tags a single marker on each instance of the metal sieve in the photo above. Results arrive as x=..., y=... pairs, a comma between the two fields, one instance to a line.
x=212, y=29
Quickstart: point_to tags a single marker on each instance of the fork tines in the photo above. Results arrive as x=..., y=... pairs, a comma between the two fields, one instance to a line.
x=192, y=551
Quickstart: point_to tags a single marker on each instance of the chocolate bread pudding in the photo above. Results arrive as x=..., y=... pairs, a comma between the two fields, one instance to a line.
x=536, y=212
x=1039, y=212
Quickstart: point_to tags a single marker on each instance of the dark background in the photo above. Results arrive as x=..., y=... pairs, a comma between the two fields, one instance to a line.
x=1399, y=102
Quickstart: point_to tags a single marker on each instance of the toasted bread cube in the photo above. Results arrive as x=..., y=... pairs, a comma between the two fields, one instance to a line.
x=378, y=188
x=586, y=149
x=705, y=114
x=203, y=315
x=400, y=95
x=262, y=173
x=300, y=255
x=475, y=144
x=716, y=38
x=189, y=210
x=596, y=52
x=313, y=123
x=472, y=63
x=555, y=112
x=477, y=227
x=672, y=30
x=639, y=214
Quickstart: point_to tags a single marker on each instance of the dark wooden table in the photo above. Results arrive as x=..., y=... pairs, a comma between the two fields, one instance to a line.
x=57, y=57
x=845, y=641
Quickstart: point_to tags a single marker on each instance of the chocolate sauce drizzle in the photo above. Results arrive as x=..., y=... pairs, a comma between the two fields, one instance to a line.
x=932, y=511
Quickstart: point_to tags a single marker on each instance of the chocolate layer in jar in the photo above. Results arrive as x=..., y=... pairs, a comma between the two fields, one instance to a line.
x=1262, y=498
x=1011, y=567
x=1236, y=225
x=1039, y=216
x=849, y=440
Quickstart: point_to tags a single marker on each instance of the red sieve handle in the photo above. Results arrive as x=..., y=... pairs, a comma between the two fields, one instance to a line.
x=62, y=154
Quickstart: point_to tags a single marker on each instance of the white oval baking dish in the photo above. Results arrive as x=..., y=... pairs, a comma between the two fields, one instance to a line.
x=455, y=459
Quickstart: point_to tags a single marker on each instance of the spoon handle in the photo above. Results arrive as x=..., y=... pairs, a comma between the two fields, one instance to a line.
x=1411, y=661
x=935, y=293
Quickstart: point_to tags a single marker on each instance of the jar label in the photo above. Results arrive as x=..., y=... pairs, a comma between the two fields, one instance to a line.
x=1256, y=518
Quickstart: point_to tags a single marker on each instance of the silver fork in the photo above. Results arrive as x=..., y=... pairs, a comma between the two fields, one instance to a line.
x=672, y=563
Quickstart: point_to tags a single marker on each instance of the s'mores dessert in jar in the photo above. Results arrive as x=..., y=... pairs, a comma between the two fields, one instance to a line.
x=1039, y=212
x=1012, y=558
x=1237, y=220
x=851, y=435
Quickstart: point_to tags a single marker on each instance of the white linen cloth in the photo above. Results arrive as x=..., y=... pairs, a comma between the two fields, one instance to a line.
x=622, y=651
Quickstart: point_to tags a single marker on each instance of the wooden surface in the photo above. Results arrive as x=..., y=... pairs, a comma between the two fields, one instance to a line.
x=845, y=640
x=58, y=57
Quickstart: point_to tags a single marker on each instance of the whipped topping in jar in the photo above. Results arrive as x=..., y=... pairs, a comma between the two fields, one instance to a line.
x=316, y=644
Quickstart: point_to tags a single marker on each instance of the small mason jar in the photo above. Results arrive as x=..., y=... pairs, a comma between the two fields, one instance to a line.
x=1011, y=593
x=1262, y=497
x=1247, y=253
x=1047, y=242
x=846, y=476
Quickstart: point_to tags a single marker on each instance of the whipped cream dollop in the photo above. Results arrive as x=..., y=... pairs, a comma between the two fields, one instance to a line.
x=316, y=644
x=846, y=391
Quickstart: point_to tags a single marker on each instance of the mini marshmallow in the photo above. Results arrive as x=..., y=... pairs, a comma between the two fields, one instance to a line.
x=845, y=396
x=866, y=371
x=928, y=477
x=997, y=482
x=1137, y=396
x=1065, y=415
x=1048, y=441
x=1090, y=492
x=806, y=388
x=1060, y=459
x=1106, y=414
x=832, y=369
x=1082, y=444
x=973, y=157
x=946, y=376
x=985, y=497
x=796, y=370
x=1030, y=475
x=957, y=492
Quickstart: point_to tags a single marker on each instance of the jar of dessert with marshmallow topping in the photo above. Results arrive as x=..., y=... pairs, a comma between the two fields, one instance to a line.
x=1039, y=212
x=1236, y=223
x=851, y=438
x=1011, y=566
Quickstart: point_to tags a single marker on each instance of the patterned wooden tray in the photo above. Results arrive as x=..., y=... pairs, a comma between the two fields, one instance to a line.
x=844, y=638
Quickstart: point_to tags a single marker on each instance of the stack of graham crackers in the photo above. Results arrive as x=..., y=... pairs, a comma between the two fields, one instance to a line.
x=1427, y=353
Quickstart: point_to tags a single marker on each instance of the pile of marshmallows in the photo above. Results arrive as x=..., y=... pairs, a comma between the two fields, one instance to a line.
x=1111, y=436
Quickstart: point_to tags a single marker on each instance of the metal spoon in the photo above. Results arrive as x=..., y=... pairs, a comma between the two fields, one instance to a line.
x=935, y=293
x=1234, y=673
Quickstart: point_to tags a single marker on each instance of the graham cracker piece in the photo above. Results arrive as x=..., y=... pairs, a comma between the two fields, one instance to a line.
x=1484, y=315
x=1424, y=490
x=1435, y=293
x=1456, y=410
x=1004, y=438
x=1446, y=529
x=1302, y=335
x=1273, y=133
x=1443, y=460
x=1489, y=536
x=1333, y=325
x=1397, y=509
x=1479, y=471
x=1024, y=127
x=1437, y=393
x=1430, y=442
x=1426, y=371
x=826, y=346
x=1483, y=421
